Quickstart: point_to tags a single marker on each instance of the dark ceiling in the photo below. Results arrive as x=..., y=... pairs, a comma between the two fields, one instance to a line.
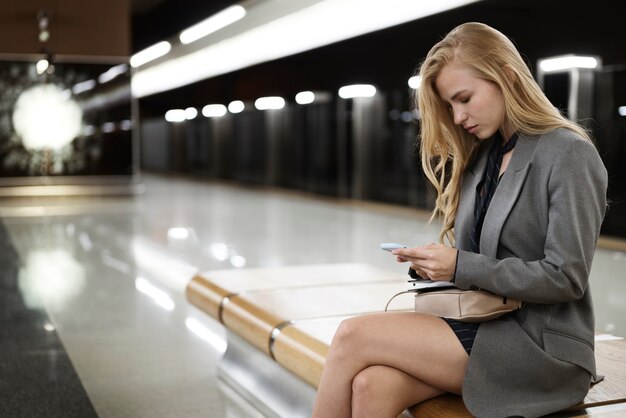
x=540, y=28
x=155, y=20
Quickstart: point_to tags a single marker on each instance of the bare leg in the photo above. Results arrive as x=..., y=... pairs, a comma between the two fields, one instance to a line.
x=422, y=346
x=384, y=392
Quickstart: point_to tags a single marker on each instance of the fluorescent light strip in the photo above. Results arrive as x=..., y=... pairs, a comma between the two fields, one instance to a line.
x=567, y=62
x=236, y=106
x=621, y=110
x=191, y=113
x=305, y=97
x=175, y=115
x=112, y=72
x=214, y=111
x=150, y=54
x=357, y=90
x=269, y=103
x=212, y=24
x=84, y=86
x=284, y=36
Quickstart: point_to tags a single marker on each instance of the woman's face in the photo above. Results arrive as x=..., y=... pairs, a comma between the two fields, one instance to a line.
x=475, y=103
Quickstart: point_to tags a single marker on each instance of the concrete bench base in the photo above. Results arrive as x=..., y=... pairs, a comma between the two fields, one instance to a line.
x=259, y=381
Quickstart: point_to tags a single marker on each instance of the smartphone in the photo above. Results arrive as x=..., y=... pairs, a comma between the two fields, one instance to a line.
x=390, y=246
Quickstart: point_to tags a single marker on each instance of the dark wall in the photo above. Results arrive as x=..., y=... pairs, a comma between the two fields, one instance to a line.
x=332, y=149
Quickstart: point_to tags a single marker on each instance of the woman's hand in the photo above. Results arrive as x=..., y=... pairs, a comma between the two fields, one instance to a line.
x=431, y=261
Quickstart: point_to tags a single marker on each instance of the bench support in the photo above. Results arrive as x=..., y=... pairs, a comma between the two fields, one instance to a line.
x=263, y=383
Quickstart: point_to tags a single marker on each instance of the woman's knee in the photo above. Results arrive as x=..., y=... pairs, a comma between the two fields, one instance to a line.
x=349, y=334
x=368, y=386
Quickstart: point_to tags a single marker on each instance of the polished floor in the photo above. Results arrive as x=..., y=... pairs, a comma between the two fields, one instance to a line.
x=94, y=319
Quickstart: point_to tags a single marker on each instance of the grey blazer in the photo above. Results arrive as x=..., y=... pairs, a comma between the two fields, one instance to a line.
x=537, y=245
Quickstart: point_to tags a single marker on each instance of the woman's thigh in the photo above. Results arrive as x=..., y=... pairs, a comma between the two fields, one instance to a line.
x=422, y=346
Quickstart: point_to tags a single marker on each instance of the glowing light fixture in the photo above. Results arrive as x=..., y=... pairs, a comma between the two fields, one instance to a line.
x=214, y=110
x=621, y=110
x=44, y=117
x=150, y=54
x=212, y=24
x=108, y=127
x=112, y=73
x=283, y=31
x=357, y=90
x=305, y=97
x=191, y=113
x=42, y=66
x=126, y=125
x=269, y=103
x=84, y=86
x=414, y=82
x=567, y=62
x=175, y=115
x=236, y=106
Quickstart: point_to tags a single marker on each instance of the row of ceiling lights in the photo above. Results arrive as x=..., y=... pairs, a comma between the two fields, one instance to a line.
x=272, y=102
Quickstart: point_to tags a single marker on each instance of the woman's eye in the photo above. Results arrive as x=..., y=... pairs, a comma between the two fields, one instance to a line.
x=465, y=100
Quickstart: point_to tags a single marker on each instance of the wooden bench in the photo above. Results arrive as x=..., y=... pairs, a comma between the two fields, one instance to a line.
x=280, y=322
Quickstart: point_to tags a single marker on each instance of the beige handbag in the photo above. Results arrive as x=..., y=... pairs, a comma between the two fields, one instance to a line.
x=461, y=305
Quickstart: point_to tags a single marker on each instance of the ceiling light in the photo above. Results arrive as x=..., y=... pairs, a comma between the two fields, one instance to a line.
x=280, y=35
x=84, y=86
x=112, y=72
x=357, y=90
x=567, y=62
x=271, y=102
x=150, y=54
x=214, y=110
x=212, y=24
x=236, y=106
x=305, y=97
x=621, y=110
x=45, y=118
x=175, y=115
x=42, y=66
x=191, y=113
x=414, y=82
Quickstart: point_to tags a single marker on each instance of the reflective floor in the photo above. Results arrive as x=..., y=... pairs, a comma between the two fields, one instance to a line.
x=106, y=276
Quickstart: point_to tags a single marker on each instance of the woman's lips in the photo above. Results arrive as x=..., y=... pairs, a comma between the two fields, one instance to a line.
x=471, y=129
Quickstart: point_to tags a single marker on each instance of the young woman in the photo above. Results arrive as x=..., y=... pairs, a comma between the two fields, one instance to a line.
x=521, y=192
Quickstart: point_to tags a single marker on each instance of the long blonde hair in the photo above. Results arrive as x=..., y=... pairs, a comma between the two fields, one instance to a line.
x=447, y=149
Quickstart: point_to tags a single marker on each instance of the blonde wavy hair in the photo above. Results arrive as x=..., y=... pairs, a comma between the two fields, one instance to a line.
x=447, y=149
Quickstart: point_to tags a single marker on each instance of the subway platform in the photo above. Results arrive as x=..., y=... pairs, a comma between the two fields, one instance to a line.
x=94, y=317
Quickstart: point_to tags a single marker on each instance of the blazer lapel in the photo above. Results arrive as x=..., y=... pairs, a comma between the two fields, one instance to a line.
x=464, y=221
x=506, y=195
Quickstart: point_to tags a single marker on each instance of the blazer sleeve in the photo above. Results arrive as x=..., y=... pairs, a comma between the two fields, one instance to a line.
x=576, y=190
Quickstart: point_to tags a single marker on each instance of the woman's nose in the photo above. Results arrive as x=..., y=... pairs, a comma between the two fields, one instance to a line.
x=459, y=117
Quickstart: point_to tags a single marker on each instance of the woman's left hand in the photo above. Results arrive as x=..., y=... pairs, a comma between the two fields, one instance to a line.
x=432, y=261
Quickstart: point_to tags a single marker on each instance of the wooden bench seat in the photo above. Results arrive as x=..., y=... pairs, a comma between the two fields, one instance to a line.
x=291, y=313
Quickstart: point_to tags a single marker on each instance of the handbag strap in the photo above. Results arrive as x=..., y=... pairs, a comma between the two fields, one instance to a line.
x=398, y=294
